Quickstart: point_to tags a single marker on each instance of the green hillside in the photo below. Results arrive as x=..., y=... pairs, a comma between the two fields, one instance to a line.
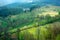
x=39, y=24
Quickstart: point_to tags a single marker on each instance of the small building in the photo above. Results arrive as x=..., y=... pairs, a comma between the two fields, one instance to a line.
x=26, y=9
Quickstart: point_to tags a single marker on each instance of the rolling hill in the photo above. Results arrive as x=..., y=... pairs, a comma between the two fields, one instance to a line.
x=16, y=8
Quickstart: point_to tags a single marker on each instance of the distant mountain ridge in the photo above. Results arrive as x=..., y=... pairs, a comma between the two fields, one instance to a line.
x=16, y=8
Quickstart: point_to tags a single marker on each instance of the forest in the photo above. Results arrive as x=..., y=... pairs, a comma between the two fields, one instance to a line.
x=39, y=23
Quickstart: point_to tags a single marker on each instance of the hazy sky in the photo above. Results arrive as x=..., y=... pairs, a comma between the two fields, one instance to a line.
x=5, y=2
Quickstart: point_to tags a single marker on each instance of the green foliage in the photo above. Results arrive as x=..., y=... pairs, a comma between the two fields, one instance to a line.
x=58, y=37
x=48, y=30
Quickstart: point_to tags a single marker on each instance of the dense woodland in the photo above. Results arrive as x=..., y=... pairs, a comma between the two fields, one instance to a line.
x=31, y=25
